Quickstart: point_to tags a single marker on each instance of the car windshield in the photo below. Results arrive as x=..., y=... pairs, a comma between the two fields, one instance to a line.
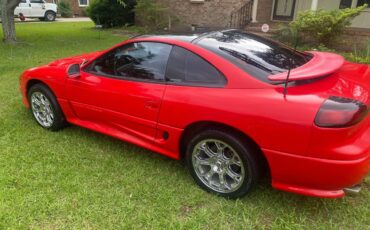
x=259, y=57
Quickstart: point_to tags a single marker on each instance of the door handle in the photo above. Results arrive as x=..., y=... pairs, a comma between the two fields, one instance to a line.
x=152, y=105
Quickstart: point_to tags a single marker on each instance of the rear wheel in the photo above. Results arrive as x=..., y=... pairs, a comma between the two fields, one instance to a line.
x=50, y=16
x=45, y=108
x=222, y=164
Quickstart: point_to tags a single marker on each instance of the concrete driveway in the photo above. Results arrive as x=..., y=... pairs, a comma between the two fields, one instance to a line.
x=79, y=19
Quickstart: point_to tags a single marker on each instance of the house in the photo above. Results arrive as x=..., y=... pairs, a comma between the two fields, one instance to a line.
x=265, y=11
x=252, y=14
x=77, y=6
x=238, y=13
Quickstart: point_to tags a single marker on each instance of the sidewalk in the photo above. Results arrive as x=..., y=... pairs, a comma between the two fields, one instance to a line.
x=35, y=20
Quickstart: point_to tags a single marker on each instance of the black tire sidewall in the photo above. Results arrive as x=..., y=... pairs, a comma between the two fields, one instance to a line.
x=59, y=120
x=249, y=161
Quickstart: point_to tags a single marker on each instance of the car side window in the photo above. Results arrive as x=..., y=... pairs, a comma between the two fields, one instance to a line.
x=37, y=1
x=137, y=61
x=186, y=68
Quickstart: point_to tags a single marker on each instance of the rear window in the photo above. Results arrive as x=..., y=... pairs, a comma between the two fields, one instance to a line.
x=259, y=57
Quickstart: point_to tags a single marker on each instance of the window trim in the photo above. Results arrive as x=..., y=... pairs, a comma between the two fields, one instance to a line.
x=196, y=84
x=366, y=9
x=39, y=2
x=132, y=79
x=155, y=81
x=83, y=5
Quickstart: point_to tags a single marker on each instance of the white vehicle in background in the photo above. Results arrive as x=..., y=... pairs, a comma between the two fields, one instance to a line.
x=36, y=9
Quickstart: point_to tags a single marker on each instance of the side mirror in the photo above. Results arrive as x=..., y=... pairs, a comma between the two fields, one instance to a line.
x=74, y=71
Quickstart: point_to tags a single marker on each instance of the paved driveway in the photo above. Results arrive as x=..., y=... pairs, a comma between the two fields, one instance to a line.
x=80, y=19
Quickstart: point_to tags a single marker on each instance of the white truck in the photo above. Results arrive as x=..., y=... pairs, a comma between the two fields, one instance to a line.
x=36, y=9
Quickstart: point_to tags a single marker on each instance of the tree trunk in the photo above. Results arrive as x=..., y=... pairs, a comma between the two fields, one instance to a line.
x=8, y=27
x=7, y=17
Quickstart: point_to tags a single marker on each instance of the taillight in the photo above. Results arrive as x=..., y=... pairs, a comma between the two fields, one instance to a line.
x=337, y=112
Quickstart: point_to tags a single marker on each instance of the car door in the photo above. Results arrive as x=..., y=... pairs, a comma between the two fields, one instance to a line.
x=123, y=89
x=37, y=8
x=24, y=7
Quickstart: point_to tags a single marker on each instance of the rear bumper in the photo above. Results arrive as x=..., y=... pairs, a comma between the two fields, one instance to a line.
x=314, y=176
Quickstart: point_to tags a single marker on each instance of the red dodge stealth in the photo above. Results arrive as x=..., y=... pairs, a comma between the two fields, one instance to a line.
x=231, y=104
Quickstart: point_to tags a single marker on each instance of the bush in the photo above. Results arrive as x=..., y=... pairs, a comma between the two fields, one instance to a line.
x=154, y=15
x=324, y=26
x=360, y=56
x=111, y=13
x=65, y=9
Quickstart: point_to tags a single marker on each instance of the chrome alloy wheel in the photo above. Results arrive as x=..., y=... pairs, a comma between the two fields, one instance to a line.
x=218, y=166
x=41, y=109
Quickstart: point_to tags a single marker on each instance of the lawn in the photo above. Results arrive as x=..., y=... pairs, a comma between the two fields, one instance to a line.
x=76, y=178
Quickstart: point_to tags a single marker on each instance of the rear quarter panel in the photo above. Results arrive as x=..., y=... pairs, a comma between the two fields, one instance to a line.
x=273, y=121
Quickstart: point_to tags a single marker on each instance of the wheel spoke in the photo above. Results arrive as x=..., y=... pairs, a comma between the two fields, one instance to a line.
x=203, y=161
x=235, y=161
x=233, y=175
x=208, y=151
x=209, y=174
x=223, y=182
x=220, y=147
x=36, y=101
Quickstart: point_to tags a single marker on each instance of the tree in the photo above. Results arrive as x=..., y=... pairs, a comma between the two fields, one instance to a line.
x=7, y=18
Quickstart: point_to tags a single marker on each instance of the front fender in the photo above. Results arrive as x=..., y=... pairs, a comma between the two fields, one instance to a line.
x=52, y=76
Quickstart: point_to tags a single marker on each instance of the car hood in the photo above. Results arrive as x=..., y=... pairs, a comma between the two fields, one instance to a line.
x=75, y=59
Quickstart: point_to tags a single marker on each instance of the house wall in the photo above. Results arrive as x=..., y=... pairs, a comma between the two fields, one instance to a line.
x=264, y=10
x=76, y=9
x=208, y=13
x=302, y=6
x=361, y=21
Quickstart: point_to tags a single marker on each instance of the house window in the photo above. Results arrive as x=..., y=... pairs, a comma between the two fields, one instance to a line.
x=83, y=2
x=363, y=2
x=345, y=4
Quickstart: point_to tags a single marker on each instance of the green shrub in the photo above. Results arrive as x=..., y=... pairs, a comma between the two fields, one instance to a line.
x=111, y=13
x=65, y=9
x=360, y=56
x=154, y=15
x=324, y=26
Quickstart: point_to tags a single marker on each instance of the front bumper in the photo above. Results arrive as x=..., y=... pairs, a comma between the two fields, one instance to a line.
x=314, y=176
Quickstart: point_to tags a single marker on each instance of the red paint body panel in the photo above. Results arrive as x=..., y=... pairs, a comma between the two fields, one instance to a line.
x=320, y=65
x=303, y=158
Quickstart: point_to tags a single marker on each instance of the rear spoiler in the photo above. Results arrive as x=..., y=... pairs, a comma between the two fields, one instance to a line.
x=321, y=64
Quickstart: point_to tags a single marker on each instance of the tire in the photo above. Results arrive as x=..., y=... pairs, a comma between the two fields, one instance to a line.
x=50, y=16
x=45, y=108
x=227, y=157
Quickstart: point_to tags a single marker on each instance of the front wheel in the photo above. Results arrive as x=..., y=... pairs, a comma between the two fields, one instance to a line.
x=45, y=108
x=222, y=164
x=50, y=16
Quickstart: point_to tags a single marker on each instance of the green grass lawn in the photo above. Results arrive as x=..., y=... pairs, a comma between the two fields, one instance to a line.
x=76, y=178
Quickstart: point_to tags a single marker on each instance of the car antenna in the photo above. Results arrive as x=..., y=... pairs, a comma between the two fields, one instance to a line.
x=295, y=35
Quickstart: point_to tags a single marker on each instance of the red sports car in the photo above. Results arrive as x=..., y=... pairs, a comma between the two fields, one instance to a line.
x=230, y=103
